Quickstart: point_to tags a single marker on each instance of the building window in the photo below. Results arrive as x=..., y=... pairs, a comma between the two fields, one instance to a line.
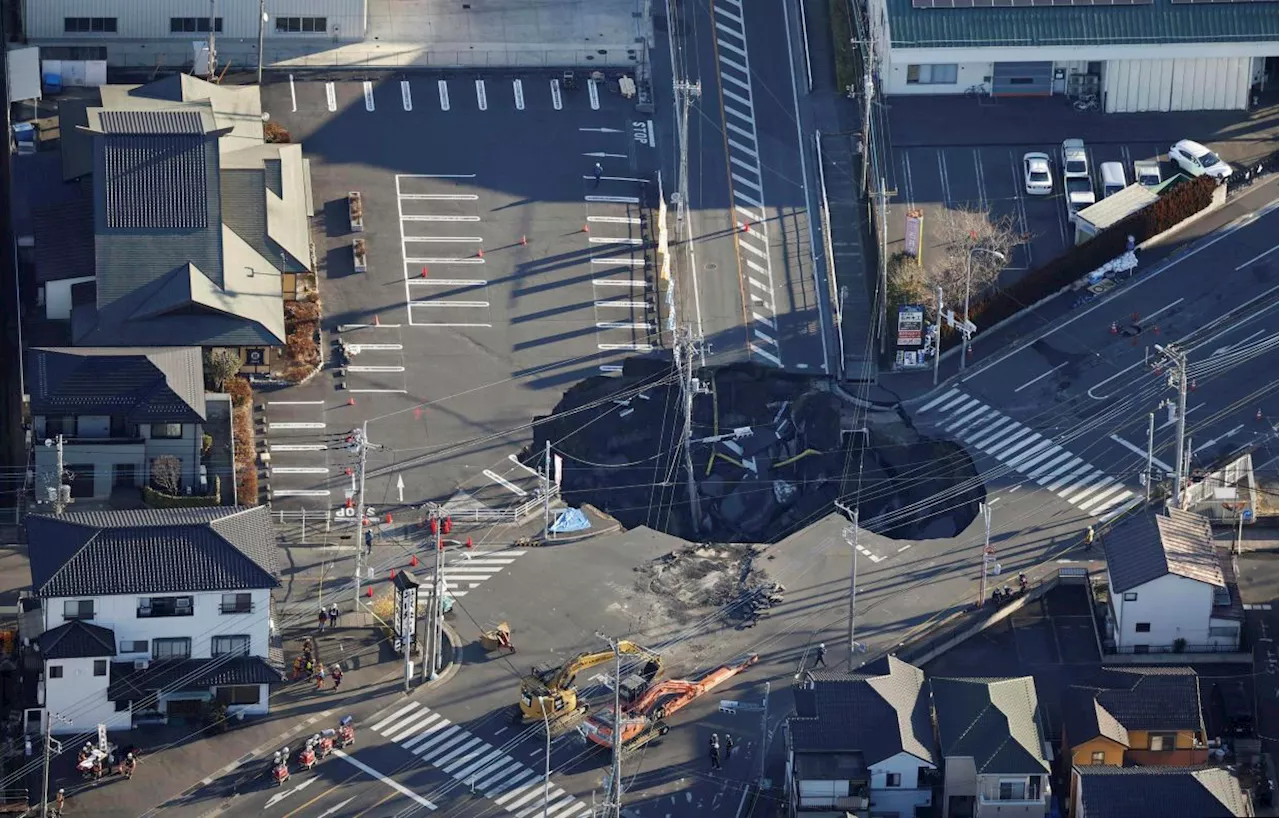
x=55, y=671
x=1132, y=596
x=231, y=645
x=239, y=694
x=77, y=609
x=189, y=25
x=171, y=648
x=134, y=646
x=893, y=779
x=1097, y=757
x=938, y=74
x=1162, y=742
x=1229, y=631
x=166, y=431
x=237, y=603
x=306, y=25
x=99, y=667
x=89, y=25
x=151, y=606
x=1142, y=627
x=1015, y=790
x=64, y=425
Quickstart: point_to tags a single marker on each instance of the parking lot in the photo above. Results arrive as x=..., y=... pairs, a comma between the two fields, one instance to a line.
x=502, y=267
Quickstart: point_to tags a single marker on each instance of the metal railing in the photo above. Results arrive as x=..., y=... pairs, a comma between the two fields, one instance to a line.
x=1132, y=650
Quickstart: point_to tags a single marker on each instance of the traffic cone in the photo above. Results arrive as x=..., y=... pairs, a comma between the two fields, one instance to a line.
x=586, y=228
x=351, y=401
x=1155, y=328
x=744, y=227
x=1134, y=316
x=413, y=561
x=433, y=525
x=448, y=525
x=368, y=592
x=348, y=471
x=1258, y=417
x=1192, y=386
x=1115, y=328
x=524, y=241
x=423, y=274
x=348, y=502
x=393, y=573
x=480, y=253
x=377, y=322
x=470, y=545
x=388, y=518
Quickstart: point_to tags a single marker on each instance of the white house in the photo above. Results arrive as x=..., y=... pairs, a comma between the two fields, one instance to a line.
x=1137, y=55
x=861, y=743
x=1170, y=590
x=150, y=615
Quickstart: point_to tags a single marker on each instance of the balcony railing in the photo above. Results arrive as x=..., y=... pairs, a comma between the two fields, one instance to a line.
x=103, y=441
x=1012, y=802
x=235, y=608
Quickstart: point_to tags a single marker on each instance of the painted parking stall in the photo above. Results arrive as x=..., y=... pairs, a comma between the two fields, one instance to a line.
x=374, y=359
x=297, y=451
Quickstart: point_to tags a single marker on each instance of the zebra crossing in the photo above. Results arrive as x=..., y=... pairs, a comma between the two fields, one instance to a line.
x=1030, y=453
x=476, y=764
x=747, y=179
x=474, y=567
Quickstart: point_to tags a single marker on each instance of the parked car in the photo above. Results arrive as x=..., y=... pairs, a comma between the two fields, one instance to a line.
x=1079, y=196
x=1147, y=173
x=1075, y=160
x=1113, y=180
x=1196, y=160
x=1037, y=174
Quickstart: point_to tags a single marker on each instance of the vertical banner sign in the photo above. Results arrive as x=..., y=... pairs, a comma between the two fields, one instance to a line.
x=664, y=250
x=406, y=623
x=911, y=346
x=914, y=234
x=559, y=469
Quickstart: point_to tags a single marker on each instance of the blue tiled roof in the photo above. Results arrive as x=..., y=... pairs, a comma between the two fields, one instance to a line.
x=1161, y=22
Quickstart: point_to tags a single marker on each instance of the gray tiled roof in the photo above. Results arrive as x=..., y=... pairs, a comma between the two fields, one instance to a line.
x=129, y=683
x=1169, y=792
x=877, y=715
x=154, y=551
x=77, y=640
x=151, y=385
x=1160, y=22
x=1151, y=545
x=1165, y=698
x=151, y=123
x=155, y=165
x=64, y=238
x=1084, y=719
x=993, y=721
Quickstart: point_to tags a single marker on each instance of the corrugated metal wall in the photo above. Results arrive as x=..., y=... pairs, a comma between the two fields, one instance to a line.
x=149, y=19
x=1202, y=84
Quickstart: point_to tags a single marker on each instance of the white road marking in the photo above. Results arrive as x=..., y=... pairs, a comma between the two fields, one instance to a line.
x=649, y=128
x=506, y=484
x=625, y=347
x=293, y=95
x=470, y=304
x=1039, y=377
x=482, y=97
x=398, y=787
x=375, y=369
x=330, y=98
x=448, y=282
x=292, y=425
x=614, y=219
x=406, y=95
x=442, y=260
x=633, y=305
x=444, y=94
x=441, y=197
x=621, y=262
x=614, y=240
x=1142, y=453
x=299, y=492
x=295, y=403
x=594, y=94
x=439, y=218
x=440, y=239
x=296, y=447
x=616, y=282
x=517, y=87
x=299, y=470
x=1165, y=308
x=1260, y=255
x=556, y=101
x=368, y=95
x=380, y=391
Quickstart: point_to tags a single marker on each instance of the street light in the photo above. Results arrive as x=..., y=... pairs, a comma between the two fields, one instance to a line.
x=968, y=279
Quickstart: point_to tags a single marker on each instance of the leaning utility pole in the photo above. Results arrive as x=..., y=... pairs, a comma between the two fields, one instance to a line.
x=1178, y=380
x=58, y=476
x=685, y=349
x=851, y=537
x=613, y=804
x=1151, y=444
x=262, y=35
x=49, y=718
x=213, y=45
x=987, y=554
x=359, y=441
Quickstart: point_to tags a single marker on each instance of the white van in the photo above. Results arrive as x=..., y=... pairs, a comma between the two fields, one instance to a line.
x=1113, y=180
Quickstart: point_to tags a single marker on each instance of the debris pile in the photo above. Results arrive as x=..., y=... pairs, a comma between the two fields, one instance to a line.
x=703, y=581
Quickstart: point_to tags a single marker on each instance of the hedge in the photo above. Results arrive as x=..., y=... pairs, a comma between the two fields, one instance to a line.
x=246, y=452
x=158, y=499
x=1175, y=206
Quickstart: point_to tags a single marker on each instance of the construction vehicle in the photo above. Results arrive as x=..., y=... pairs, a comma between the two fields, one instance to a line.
x=644, y=718
x=548, y=694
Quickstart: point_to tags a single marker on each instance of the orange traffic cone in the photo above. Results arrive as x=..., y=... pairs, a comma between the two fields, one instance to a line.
x=1115, y=328
x=393, y=573
x=377, y=322
x=586, y=228
x=424, y=272
x=351, y=401
x=1258, y=417
x=746, y=228
x=413, y=561
x=469, y=545
x=480, y=253
x=524, y=241
x=368, y=592
x=388, y=518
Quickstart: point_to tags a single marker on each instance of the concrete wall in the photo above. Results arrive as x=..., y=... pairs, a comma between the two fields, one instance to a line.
x=149, y=19
x=81, y=697
x=990, y=806
x=904, y=798
x=120, y=613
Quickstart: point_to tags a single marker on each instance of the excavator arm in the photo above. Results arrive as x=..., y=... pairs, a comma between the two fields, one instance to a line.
x=584, y=661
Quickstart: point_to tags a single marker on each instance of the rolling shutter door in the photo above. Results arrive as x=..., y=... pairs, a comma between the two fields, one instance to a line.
x=1022, y=79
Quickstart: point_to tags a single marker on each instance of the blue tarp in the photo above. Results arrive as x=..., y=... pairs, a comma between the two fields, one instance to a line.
x=570, y=520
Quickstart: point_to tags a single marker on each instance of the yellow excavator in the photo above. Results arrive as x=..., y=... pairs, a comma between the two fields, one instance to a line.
x=549, y=696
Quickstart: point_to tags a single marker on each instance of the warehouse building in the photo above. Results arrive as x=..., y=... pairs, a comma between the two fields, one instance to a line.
x=1136, y=55
x=172, y=33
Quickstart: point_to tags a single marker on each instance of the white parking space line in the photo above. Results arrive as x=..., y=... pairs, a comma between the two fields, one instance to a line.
x=517, y=87
x=293, y=95
x=299, y=469
x=330, y=97
x=594, y=93
x=443, y=260
x=299, y=492
x=482, y=97
x=444, y=239
x=469, y=304
x=611, y=199
x=448, y=282
x=444, y=94
x=441, y=197
x=614, y=219
x=557, y=101
x=406, y=96
x=295, y=403
x=296, y=447
x=292, y=425
x=368, y=95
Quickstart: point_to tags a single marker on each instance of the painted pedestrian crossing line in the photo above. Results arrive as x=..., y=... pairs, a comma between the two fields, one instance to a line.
x=463, y=574
x=476, y=764
x=1030, y=453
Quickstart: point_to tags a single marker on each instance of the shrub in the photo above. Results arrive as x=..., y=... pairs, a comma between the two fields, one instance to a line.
x=206, y=445
x=842, y=42
x=295, y=311
x=220, y=365
x=158, y=499
x=275, y=132
x=240, y=390
x=166, y=473
x=302, y=325
x=906, y=284
x=246, y=453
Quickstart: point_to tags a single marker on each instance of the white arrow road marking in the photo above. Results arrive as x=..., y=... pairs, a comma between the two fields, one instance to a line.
x=280, y=796
x=400, y=486
x=334, y=810
x=365, y=768
x=368, y=95
x=1215, y=441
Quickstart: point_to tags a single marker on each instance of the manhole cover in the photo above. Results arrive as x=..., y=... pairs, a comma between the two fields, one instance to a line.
x=710, y=266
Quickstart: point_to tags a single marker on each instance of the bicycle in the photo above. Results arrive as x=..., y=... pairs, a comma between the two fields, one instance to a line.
x=979, y=90
x=1086, y=103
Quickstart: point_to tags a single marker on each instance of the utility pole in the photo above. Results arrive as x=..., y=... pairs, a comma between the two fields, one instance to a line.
x=437, y=574
x=1151, y=443
x=359, y=442
x=49, y=718
x=213, y=45
x=685, y=93
x=868, y=95
x=546, y=491
x=1178, y=379
x=851, y=537
x=262, y=35
x=884, y=264
x=937, y=339
x=764, y=729
x=684, y=353
x=59, y=474
x=987, y=554
x=613, y=804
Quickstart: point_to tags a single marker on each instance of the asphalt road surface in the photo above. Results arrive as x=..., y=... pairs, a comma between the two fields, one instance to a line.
x=500, y=271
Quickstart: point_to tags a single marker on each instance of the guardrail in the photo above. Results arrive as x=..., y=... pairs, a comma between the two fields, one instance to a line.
x=837, y=304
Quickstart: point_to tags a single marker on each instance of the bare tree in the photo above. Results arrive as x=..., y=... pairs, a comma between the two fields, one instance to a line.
x=220, y=365
x=166, y=473
x=961, y=230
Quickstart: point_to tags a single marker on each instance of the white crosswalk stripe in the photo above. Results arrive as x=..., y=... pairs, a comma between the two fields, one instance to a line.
x=462, y=575
x=1030, y=453
x=476, y=763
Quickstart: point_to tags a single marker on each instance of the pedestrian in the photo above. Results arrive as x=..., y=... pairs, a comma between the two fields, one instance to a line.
x=599, y=173
x=324, y=618
x=368, y=541
x=60, y=802
x=1088, y=537
x=333, y=615
x=337, y=677
x=715, y=757
x=319, y=676
x=310, y=667
x=822, y=656
x=728, y=746
x=715, y=741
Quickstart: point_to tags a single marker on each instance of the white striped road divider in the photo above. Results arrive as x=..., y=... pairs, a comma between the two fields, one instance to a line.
x=444, y=94
x=368, y=95
x=463, y=304
x=330, y=97
x=406, y=95
x=295, y=425
x=517, y=88
x=505, y=483
x=594, y=93
x=448, y=282
x=442, y=260
x=482, y=97
x=557, y=101
x=439, y=197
